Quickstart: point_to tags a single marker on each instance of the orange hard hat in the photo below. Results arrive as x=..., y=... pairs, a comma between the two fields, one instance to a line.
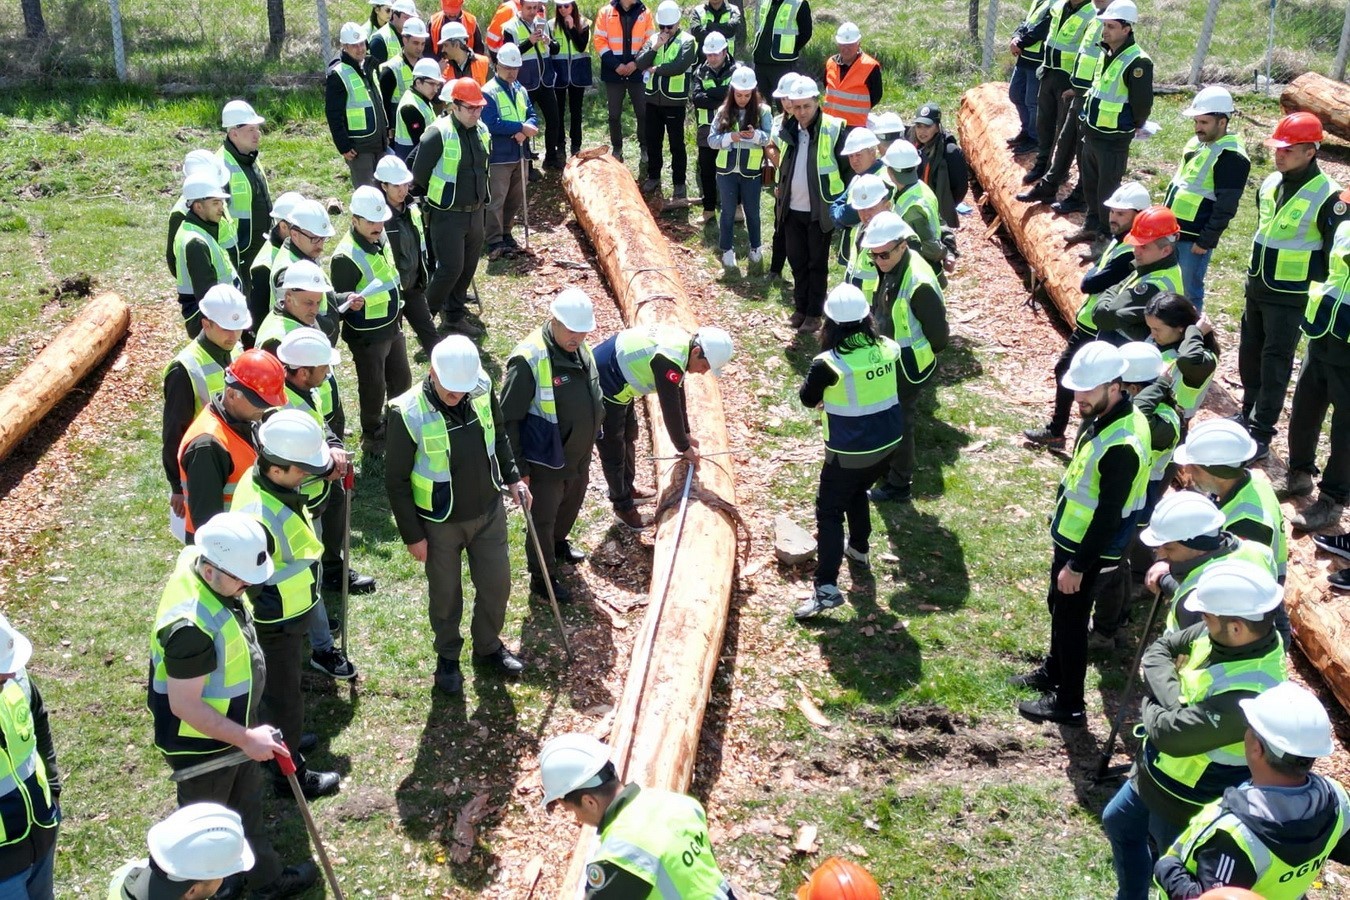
x=452, y=7
x=839, y=879
x=1153, y=224
x=259, y=373
x=1229, y=893
x=1296, y=128
x=466, y=91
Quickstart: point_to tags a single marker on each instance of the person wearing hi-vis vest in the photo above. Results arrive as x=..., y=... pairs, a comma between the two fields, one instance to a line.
x=553, y=410
x=384, y=42
x=1028, y=45
x=200, y=262
x=908, y=307
x=855, y=381
x=259, y=290
x=532, y=34
x=203, y=162
x=405, y=232
x=1193, y=682
x=363, y=262
x=354, y=108
x=640, y=361
x=868, y=197
x=710, y=83
x=1188, y=346
x=197, y=374
x=452, y=12
x=207, y=677
x=192, y=852
x=452, y=167
x=1207, y=188
x=785, y=28
x=1296, y=211
x=861, y=151
x=510, y=119
x=458, y=56
x=570, y=65
x=1324, y=381
x=250, y=203
x=916, y=203
x=291, y=450
x=1118, y=314
x=739, y=133
x=1096, y=504
x=1273, y=832
x=666, y=61
x=1068, y=20
x=414, y=113
x=447, y=463
x=310, y=229
x=719, y=17
x=853, y=84
x=396, y=74
x=650, y=843
x=621, y=30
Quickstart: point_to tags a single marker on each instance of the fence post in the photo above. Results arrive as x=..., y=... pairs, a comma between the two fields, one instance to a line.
x=324, y=35
x=1202, y=47
x=119, y=51
x=990, y=24
x=1338, y=68
x=1270, y=42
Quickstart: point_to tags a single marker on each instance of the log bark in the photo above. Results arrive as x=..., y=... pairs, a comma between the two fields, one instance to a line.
x=1321, y=623
x=986, y=121
x=657, y=722
x=63, y=364
x=1328, y=100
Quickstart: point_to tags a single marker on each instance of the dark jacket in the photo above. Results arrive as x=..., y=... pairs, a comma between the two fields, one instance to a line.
x=1121, y=310
x=1327, y=220
x=611, y=61
x=729, y=21
x=1139, y=86
x=505, y=148
x=764, y=40
x=822, y=376
x=683, y=63
x=927, y=305
x=407, y=245
x=1118, y=466
x=576, y=392
x=1096, y=280
x=335, y=107
x=346, y=276
x=260, y=220
x=1231, y=171
x=820, y=208
x=201, y=271
x=471, y=178
x=709, y=89
x=942, y=166
x=180, y=408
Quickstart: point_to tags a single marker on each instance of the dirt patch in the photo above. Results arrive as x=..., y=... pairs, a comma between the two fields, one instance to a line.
x=928, y=734
x=361, y=803
x=70, y=288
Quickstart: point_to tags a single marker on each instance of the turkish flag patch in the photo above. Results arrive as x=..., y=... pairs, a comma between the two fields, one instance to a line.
x=674, y=377
x=557, y=380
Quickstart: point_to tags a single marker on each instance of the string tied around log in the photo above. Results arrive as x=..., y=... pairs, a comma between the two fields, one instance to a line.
x=663, y=271
x=715, y=501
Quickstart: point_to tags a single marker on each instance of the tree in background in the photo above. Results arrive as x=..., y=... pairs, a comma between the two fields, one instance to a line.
x=276, y=27
x=33, y=24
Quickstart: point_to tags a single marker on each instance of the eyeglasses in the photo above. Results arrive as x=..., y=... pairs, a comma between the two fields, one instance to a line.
x=476, y=110
x=669, y=27
x=884, y=254
x=307, y=235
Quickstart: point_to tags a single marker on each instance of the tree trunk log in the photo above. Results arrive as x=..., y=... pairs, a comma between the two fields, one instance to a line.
x=1321, y=624
x=656, y=726
x=1328, y=100
x=276, y=28
x=73, y=354
x=34, y=25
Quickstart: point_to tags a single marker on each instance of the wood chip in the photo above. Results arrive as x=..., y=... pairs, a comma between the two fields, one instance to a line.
x=533, y=869
x=812, y=712
x=805, y=840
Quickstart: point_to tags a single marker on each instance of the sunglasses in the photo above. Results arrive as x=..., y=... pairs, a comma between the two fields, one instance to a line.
x=884, y=254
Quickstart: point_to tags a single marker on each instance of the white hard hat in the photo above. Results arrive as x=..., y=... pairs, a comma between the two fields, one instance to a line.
x=804, y=89
x=1216, y=442
x=848, y=33
x=368, y=203
x=307, y=347
x=743, y=79
x=846, y=304
x=1290, y=720
x=715, y=42
x=1143, y=362
x=859, y=139
x=1210, y=101
x=1124, y=10
x=293, y=437
x=454, y=31
x=1130, y=195
x=783, y=90
x=716, y=346
x=226, y=306
x=427, y=68
x=1235, y=587
x=392, y=170
x=1181, y=516
x=574, y=309
x=1096, y=363
x=455, y=363
x=201, y=842
x=204, y=162
x=866, y=191
x=15, y=649
x=305, y=275
x=352, y=33
x=239, y=112
x=570, y=762
x=886, y=228
x=235, y=543
x=406, y=7
x=415, y=28
x=668, y=13
x=311, y=216
x=886, y=124
x=510, y=57
x=901, y=155
x=201, y=186
x=283, y=205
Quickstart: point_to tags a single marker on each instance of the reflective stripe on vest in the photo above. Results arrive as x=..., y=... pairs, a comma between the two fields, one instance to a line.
x=1188, y=398
x=662, y=838
x=1066, y=34
x=703, y=117
x=275, y=327
x=672, y=87
x=381, y=307
x=1107, y=100
x=1035, y=53
x=1164, y=280
x=916, y=353
x=511, y=100
x=1178, y=617
x=609, y=31
x=1193, y=183
x=446, y=170
x=315, y=490
x=571, y=65
x=743, y=158
x=1083, y=320
x=190, y=232
x=533, y=72
x=228, y=688
x=386, y=37
x=242, y=455
x=418, y=102
x=1328, y=311
x=634, y=349
x=1088, y=58
x=782, y=32
x=543, y=407
x=25, y=796
x=359, y=104
x=829, y=182
x=1160, y=459
x=1286, y=238
x=262, y=263
x=862, y=269
x=207, y=375
x=1256, y=502
x=241, y=200
x=293, y=588
x=432, y=489
x=848, y=98
x=709, y=21
x=919, y=196
x=861, y=410
x=403, y=73
x=1081, y=485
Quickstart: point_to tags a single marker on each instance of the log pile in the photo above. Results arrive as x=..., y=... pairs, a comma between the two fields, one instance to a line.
x=1327, y=99
x=657, y=722
x=63, y=364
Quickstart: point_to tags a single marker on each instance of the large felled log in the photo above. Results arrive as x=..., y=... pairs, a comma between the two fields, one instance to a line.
x=657, y=723
x=72, y=355
x=1321, y=618
x=986, y=121
x=1327, y=99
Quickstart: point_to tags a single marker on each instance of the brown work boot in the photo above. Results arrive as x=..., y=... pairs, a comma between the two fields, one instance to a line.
x=633, y=520
x=809, y=325
x=796, y=319
x=642, y=494
x=1081, y=236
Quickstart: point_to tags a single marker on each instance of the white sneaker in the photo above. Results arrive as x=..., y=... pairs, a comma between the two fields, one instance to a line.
x=729, y=259
x=827, y=596
x=756, y=255
x=858, y=556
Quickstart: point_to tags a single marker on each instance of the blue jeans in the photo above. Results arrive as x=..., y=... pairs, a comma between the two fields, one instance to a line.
x=320, y=635
x=1194, y=266
x=732, y=190
x=33, y=883
x=1024, y=92
x=1129, y=824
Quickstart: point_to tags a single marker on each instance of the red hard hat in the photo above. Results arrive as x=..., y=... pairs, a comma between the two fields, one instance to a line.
x=1152, y=224
x=452, y=7
x=1229, y=893
x=261, y=373
x=467, y=91
x=1296, y=128
x=839, y=879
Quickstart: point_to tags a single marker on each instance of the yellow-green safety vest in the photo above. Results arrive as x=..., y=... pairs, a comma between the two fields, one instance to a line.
x=1256, y=502
x=1080, y=487
x=1287, y=238
x=861, y=411
x=1088, y=58
x=917, y=360
x=275, y=327
x=662, y=838
x=1035, y=53
x=241, y=199
x=672, y=87
x=411, y=98
x=703, y=117
x=228, y=689
x=742, y=158
x=543, y=406
x=1188, y=398
x=1193, y=183
x=432, y=489
x=293, y=588
x=1083, y=320
x=1105, y=103
x=403, y=73
x=634, y=349
x=386, y=37
x=783, y=32
x=207, y=375
x=25, y=796
x=280, y=263
x=315, y=490
x=446, y=170
x=1252, y=552
x=1165, y=280
x=829, y=181
x=1328, y=312
x=119, y=878
x=861, y=271
x=360, y=105
x=1066, y=34
x=915, y=201
x=262, y=262
x=227, y=229
x=381, y=307
x=704, y=16
x=1160, y=459
x=190, y=232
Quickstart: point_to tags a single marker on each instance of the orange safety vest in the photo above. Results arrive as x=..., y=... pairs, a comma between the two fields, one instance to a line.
x=609, y=32
x=505, y=13
x=438, y=22
x=848, y=98
x=242, y=454
x=478, y=70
